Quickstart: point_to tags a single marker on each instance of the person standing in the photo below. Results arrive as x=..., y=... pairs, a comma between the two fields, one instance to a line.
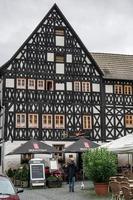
x=71, y=172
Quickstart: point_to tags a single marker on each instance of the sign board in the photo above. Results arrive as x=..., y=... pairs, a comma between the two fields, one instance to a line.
x=37, y=172
x=53, y=165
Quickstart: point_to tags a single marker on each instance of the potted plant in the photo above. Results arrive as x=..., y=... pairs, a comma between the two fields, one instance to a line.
x=10, y=174
x=99, y=165
x=54, y=181
x=17, y=177
x=24, y=176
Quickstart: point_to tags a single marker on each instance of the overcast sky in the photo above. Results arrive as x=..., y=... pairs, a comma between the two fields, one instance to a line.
x=102, y=25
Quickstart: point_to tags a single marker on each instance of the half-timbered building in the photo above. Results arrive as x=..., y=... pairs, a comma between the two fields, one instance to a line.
x=54, y=89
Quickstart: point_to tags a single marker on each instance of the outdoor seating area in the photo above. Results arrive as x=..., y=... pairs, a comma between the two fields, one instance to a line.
x=121, y=187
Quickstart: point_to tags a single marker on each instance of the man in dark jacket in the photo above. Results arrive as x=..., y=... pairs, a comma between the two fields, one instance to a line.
x=71, y=172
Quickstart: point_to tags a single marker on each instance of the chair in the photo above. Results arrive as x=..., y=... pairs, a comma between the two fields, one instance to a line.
x=119, y=179
x=127, y=194
x=115, y=189
x=125, y=179
x=124, y=183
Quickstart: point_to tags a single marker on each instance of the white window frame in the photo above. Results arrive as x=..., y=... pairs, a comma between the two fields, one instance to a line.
x=22, y=121
x=31, y=84
x=77, y=86
x=118, y=89
x=47, y=124
x=128, y=89
x=85, y=86
x=58, y=123
x=32, y=124
x=21, y=83
x=129, y=120
x=87, y=122
x=39, y=87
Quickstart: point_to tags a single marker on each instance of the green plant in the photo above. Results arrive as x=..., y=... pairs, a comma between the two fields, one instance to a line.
x=17, y=174
x=10, y=173
x=24, y=174
x=52, y=178
x=99, y=164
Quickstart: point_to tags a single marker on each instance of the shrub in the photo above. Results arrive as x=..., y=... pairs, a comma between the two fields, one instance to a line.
x=99, y=164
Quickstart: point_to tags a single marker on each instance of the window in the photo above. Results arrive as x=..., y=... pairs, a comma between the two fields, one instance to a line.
x=20, y=120
x=85, y=86
x=77, y=86
x=59, y=32
x=59, y=121
x=40, y=84
x=128, y=89
x=87, y=122
x=21, y=83
x=31, y=84
x=129, y=121
x=59, y=58
x=49, y=85
x=47, y=121
x=33, y=120
x=118, y=89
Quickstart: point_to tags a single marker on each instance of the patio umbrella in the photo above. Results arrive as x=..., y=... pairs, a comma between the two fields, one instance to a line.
x=80, y=146
x=33, y=147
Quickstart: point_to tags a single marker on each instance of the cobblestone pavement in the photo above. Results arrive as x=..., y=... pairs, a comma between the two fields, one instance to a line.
x=62, y=193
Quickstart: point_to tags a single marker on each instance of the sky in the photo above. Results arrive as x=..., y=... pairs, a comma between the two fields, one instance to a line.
x=104, y=26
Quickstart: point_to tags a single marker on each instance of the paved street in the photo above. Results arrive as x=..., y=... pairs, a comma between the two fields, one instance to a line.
x=62, y=193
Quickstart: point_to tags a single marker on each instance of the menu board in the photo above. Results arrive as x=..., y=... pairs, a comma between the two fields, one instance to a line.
x=37, y=171
x=53, y=165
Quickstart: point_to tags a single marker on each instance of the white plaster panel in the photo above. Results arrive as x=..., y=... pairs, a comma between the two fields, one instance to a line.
x=108, y=88
x=60, y=68
x=10, y=82
x=11, y=109
x=59, y=40
x=69, y=86
x=59, y=86
x=96, y=109
x=96, y=87
x=50, y=57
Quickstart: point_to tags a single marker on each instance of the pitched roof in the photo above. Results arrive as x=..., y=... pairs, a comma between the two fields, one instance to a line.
x=115, y=66
x=67, y=24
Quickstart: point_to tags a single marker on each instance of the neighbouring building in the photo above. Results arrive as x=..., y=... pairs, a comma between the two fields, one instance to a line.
x=54, y=89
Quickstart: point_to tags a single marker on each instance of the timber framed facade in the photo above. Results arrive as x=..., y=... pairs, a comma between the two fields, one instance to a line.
x=54, y=88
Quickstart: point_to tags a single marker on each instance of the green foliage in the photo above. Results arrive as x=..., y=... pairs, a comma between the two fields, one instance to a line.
x=17, y=174
x=24, y=173
x=99, y=164
x=54, y=178
x=10, y=173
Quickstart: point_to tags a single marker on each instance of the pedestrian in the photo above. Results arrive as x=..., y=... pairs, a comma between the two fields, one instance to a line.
x=71, y=172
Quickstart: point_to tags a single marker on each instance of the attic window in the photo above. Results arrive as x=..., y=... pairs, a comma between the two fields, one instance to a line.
x=59, y=58
x=59, y=32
